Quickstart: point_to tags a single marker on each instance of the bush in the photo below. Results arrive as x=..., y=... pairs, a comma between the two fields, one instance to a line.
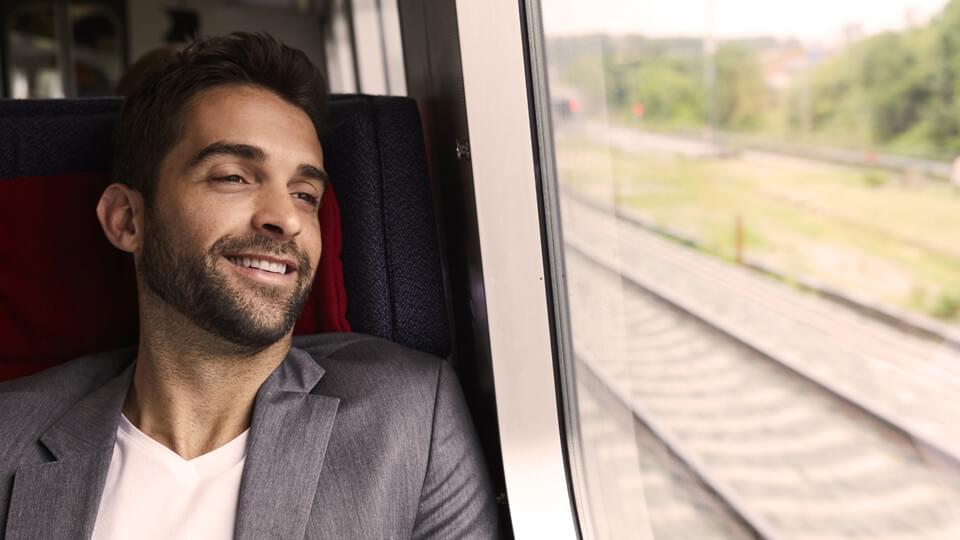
x=875, y=178
x=945, y=305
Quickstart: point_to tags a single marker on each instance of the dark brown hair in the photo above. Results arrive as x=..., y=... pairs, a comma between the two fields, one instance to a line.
x=151, y=121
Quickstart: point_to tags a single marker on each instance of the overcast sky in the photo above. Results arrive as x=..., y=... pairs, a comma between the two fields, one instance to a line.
x=808, y=20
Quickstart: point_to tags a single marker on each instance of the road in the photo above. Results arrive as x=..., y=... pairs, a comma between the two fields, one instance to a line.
x=630, y=139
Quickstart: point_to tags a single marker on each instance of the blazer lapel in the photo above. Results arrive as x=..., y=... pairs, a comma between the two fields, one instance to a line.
x=288, y=440
x=60, y=499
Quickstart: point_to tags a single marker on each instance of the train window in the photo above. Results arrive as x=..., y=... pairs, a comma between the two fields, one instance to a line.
x=31, y=44
x=379, y=51
x=757, y=263
x=57, y=49
x=97, y=48
x=339, y=50
x=396, y=77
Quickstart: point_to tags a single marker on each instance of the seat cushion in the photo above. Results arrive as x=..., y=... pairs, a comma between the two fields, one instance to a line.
x=64, y=289
x=374, y=151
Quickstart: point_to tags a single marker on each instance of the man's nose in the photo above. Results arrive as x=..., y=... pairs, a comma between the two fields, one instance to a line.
x=276, y=214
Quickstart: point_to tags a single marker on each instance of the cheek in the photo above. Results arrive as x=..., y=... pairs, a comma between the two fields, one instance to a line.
x=311, y=245
x=203, y=224
x=315, y=247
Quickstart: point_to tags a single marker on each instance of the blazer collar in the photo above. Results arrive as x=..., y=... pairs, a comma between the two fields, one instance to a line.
x=60, y=499
x=285, y=451
x=298, y=372
x=92, y=423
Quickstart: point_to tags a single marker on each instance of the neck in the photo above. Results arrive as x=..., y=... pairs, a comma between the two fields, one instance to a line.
x=191, y=391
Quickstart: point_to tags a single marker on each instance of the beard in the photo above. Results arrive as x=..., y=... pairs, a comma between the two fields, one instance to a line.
x=252, y=317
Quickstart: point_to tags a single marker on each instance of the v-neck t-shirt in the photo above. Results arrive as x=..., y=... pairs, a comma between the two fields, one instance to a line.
x=152, y=492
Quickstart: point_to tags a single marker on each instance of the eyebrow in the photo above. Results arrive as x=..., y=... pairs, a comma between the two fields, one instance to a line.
x=309, y=171
x=253, y=153
x=244, y=151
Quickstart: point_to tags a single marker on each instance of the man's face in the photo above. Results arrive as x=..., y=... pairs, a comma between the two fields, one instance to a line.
x=232, y=238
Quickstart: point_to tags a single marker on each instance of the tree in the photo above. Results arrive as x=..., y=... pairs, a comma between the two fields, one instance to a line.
x=669, y=93
x=741, y=94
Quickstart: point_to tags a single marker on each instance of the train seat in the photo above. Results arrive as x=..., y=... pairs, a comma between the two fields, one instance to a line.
x=65, y=291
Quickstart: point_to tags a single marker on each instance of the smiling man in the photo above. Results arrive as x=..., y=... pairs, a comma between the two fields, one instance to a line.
x=215, y=426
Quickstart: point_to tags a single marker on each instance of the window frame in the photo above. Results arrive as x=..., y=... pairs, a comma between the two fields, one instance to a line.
x=518, y=232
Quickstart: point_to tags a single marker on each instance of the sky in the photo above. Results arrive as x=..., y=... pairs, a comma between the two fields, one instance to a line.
x=807, y=20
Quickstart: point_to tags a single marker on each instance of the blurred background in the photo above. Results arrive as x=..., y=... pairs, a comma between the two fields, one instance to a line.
x=67, y=48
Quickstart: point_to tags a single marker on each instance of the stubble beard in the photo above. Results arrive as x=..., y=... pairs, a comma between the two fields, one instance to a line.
x=253, y=317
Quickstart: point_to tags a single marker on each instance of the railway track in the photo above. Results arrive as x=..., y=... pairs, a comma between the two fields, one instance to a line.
x=639, y=489
x=786, y=447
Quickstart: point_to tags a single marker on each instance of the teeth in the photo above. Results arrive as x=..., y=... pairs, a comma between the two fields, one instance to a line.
x=276, y=268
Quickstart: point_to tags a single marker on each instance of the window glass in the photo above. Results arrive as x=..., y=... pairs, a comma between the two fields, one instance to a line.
x=97, y=48
x=339, y=51
x=32, y=52
x=379, y=51
x=58, y=49
x=393, y=47
x=759, y=204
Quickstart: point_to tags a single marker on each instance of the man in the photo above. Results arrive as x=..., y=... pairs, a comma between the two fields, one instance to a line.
x=215, y=426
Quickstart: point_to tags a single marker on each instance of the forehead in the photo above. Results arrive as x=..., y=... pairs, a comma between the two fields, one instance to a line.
x=249, y=115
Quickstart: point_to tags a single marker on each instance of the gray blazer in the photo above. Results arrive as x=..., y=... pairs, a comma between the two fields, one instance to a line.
x=352, y=437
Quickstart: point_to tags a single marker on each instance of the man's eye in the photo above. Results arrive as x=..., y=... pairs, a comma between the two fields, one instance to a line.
x=313, y=200
x=231, y=179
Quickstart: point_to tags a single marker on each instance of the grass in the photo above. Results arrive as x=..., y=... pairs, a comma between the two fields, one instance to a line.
x=869, y=232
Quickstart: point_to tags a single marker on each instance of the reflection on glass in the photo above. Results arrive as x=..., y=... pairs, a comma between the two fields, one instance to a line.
x=97, y=49
x=32, y=52
x=760, y=204
x=38, y=58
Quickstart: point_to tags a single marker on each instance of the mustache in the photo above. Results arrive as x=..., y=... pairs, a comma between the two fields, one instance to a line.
x=266, y=245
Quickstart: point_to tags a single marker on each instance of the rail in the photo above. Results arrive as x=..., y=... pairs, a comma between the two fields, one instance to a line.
x=695, y=363
x=909, y=322
x=758, y=345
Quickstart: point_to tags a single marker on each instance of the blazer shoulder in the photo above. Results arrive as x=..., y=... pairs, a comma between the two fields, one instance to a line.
x=29, y=404
x=357, y=363
x=74, y=378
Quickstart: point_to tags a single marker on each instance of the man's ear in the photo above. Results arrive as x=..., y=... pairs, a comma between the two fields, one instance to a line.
x=120, y=212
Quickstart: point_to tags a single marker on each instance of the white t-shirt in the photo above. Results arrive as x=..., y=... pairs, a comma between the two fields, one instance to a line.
x=151, y=492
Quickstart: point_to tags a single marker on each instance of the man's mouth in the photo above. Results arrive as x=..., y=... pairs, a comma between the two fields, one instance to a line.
x=269, y=265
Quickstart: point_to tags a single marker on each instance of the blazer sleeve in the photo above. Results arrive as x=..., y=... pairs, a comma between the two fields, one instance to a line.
x=456, y=500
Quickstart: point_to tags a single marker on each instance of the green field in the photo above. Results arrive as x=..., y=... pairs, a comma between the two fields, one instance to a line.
x=872, y=233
